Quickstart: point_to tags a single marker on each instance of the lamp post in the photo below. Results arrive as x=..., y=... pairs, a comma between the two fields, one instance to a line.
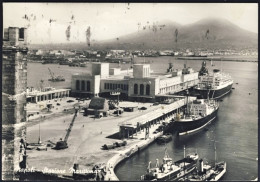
x=117, y=92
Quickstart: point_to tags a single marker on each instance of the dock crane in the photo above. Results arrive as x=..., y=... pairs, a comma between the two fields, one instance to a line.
x=52, y=74
x=63, y=143
x=55, y=78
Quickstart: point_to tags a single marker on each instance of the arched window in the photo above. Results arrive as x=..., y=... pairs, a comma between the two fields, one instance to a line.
x=88, y=86
x=142, y=89
x=147, y=89
x=82, y=85
x=135, y=89
x=77, y=85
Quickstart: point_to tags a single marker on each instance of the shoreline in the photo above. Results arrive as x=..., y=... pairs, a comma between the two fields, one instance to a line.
x=216, y=59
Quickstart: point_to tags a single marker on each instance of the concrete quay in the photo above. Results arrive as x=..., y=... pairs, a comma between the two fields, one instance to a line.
x=130, y=150
x=88, y=135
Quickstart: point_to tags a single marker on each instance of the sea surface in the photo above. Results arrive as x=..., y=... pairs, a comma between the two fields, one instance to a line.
x=235, y=130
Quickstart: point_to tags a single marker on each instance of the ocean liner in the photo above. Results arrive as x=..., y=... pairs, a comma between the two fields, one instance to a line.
x=198, y=114
x=213, y=85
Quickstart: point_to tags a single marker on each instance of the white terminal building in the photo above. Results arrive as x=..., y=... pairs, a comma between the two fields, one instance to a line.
x=138, y=83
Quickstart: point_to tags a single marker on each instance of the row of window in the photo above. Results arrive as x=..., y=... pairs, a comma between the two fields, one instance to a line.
x=147, y=89
x=80, y=85
x=113, y=86
x=169, y=89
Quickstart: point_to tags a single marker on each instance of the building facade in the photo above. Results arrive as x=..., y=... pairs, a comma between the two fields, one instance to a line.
x=138, y=83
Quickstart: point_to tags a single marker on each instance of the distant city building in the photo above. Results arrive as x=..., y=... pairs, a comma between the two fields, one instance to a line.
x=134, y=84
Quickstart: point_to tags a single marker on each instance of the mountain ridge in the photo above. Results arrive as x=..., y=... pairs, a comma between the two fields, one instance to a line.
x=211, y=33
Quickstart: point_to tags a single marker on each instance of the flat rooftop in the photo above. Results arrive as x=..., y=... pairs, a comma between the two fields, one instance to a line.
x=159, y=111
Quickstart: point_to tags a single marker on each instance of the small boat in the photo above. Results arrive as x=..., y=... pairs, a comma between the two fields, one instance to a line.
x=57, y=79
x=170, y=170
x=164, y=138
x=207, y=172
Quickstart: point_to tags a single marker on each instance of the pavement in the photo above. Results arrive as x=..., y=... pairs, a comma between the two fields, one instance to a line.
x=87, y=137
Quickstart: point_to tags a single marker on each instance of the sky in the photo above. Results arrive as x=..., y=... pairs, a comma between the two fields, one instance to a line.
x=111, y=20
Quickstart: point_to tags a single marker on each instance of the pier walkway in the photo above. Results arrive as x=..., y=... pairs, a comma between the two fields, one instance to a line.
x=129, y=127
x=164, y=114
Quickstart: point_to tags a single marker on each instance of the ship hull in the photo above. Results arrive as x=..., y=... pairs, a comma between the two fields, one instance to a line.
x=188, y=127
x=176, y=175
x=214, y=94
x=173, y=176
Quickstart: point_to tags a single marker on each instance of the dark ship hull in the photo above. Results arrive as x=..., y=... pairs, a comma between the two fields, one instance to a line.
x=56, y=80
x=214, y=94
x=187, y=127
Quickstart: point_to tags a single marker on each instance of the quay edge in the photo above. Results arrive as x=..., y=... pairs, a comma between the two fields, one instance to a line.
x=116, y=159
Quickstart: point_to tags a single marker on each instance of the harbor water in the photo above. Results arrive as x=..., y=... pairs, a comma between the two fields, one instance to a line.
x=235, y=130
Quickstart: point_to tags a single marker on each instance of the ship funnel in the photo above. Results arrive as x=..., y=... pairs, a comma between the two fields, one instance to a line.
x=157, y=163
x=170, y=69
x=201, y=169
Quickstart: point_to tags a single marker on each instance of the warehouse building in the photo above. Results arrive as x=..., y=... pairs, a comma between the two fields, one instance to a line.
x=137, y=84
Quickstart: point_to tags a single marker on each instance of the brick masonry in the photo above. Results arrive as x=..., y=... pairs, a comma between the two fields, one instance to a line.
x=14, y=84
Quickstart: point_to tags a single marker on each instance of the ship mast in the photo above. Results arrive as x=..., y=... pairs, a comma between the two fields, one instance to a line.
x=184, y=151
x=187, y=93
x=215, y=152
x=215, y=148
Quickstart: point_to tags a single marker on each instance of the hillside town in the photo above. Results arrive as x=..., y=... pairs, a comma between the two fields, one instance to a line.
x=77, y=57
x=152, y=100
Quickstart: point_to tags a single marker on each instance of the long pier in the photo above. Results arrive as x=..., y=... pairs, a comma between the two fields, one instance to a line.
x=134, y=126
x=130, y=127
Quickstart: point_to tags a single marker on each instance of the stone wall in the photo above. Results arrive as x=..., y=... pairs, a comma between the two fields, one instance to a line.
x=14, y=85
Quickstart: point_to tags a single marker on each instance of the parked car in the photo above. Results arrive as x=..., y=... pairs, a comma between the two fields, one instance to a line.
x=70, y=101
x=143, y=108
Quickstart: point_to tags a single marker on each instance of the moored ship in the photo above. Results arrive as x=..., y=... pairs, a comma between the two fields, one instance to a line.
x=199, y=113
x=206, y=172
x=213, y=85
x=170, y=170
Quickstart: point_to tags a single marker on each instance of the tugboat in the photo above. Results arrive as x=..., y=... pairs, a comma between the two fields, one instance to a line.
x=198, y=114
x=169, y=170
x=213, y=85
x=207, y=172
